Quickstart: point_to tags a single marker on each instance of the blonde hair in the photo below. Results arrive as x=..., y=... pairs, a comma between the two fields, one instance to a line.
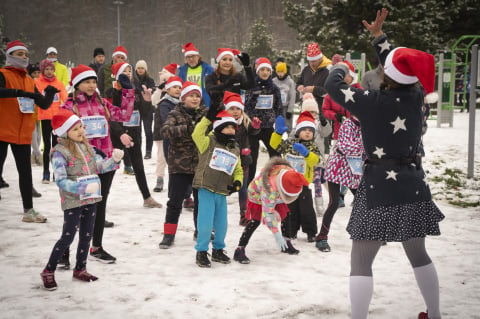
x=71, y=145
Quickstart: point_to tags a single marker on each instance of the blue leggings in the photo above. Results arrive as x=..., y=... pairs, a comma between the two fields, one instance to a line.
x=212, y=214
x=82, y=218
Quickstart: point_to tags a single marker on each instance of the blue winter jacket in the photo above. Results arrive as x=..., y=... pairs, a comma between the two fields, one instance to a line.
x=207, y=69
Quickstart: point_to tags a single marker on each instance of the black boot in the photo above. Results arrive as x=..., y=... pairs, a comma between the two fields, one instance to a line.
x=202, y=259
x=167, y=241
x=219, y=256
x=240, y=256
x=64, y=262
x=159, y=186
x=3, y=184
x=290, y=249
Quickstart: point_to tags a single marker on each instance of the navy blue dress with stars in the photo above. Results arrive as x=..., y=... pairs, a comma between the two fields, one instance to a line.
x=393, y=201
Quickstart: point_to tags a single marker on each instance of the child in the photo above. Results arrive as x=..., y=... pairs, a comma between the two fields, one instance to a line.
x=265, y=102
x=182, y=156
x=168, y=102
x=47, y=77
x=96, y=114
x=218, y=174
x=234, y=106
x=343, y=168
x=324, y=129
x=128, y=134
x=287, y=91
x=277, y=184
x=75, y=165
x=302, y=153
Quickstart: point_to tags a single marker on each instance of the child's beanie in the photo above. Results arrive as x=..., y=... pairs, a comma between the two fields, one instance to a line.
x=309, y=103
x=118, y=69
x=82, y=73
x=224, y=119
x=305, y=120
x=45, y=63
x=63, y=121
x=172, y=81
x=232, y=99
x=281, y=67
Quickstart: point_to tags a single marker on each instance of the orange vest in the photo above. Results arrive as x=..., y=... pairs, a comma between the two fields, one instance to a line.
x=16, y=127
x=59, y=99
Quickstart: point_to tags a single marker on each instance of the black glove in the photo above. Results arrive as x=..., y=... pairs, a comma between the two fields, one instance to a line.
x=211, y=113
x=245, y=58
x=125, y=81
x=32, y=95
x=235, y=187
x=288, y=115
x=50, y=91
x=338, y=117
x=323, y=119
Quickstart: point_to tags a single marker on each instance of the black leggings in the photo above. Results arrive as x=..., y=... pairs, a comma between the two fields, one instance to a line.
x=264, y=135
x=49, y=141
x=21, y=153
x=250, y=229
x=135, y=154
x=334, y=195
x=81, y=218
x=106, y=182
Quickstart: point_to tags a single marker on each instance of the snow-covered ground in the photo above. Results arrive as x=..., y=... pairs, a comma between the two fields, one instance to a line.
x=148, y=282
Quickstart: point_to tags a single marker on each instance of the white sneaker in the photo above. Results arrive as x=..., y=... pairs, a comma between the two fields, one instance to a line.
x=31, y=216
x=319, y=206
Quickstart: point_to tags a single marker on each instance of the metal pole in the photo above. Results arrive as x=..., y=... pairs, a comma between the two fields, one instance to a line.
x=440, y=90
x=472, y=104
x=118, y=4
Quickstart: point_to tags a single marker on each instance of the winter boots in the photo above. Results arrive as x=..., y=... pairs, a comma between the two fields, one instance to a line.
x=169, y=231
x=151, y=203
x=219, y=256
x=48, y=278
x=240, y=256
x=101, y=255
x=83, y=275
x=202, y=259
x=322, y=243
x=159, y=186
x=290, y=249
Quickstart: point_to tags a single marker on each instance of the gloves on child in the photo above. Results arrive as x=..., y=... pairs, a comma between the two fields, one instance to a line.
x=124, y=81
x=280, y=126
x=282, y=244
x=256, y=123
x=126, y=140
x=117, y=155
x=212, y=113
x=301, y=149
x=92, y=188
x=245, y=152
x=235, y=187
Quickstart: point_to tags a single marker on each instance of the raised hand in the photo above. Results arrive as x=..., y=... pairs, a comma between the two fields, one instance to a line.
x=376, y=27
x=256, y=123
x=146, y=94
x=280, y=126
x=301, y=149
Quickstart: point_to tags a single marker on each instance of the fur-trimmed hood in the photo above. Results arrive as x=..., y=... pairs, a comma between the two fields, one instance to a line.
x=268, y=166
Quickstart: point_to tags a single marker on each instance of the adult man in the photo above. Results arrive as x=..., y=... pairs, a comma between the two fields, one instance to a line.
x=61, y=71
x=312, y=79
x=98, y=59
x=105, y=79
x=195, y=70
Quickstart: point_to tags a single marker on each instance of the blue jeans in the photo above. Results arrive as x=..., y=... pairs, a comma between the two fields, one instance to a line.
x=212, y=214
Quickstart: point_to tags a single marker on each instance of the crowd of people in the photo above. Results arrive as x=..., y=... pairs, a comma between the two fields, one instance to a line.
x=207, y=123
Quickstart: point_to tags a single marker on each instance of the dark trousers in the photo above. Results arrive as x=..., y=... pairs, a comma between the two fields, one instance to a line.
x=302, y=214
x=147, y=127
x=252, y=226
x=242, y=193
x=106, y=183
x=178, y=184
x=49, y=141
x=334, y=195
x=264, y=135
x=135, y=155
x=82, y=218
x=21, y=154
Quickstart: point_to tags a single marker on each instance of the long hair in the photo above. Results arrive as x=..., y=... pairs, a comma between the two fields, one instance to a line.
x=99, y=99
x=232, y=72
x=72, y=147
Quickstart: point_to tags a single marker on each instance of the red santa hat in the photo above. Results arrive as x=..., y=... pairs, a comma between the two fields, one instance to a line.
x=305, y=120
x=313, y=52
x=290, y=184
x=226, y=51
x=188, y=88
x=224, y=119
x=408, y=66
x=309, y=103
x=63, y=121
x=118, y=69
x=263, y=63
x=189, y=49
x=14, y=46
x=171, y=68
x=174, y=80
x=81, y=73
x=120, y=50
x=351, y=70
x=232, y=99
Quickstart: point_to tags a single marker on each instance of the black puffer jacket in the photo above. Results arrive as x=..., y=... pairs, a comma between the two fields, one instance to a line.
x=267, y=116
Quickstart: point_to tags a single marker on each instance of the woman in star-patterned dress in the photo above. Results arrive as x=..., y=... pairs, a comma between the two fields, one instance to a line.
x=393, y=201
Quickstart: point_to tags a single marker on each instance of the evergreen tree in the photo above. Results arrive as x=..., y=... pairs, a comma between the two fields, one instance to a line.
x=260, y=41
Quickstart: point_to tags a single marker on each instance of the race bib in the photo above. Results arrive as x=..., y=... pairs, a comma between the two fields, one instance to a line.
x=284, y=98
x=89, y=179
x=95, y=126
x=223, y=160
x=297, y=162
x=134, y=119
x=264, y=102
x=26, y=104
x=356, y=164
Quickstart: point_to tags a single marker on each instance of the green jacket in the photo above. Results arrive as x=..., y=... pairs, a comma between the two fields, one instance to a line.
x=215, y=179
